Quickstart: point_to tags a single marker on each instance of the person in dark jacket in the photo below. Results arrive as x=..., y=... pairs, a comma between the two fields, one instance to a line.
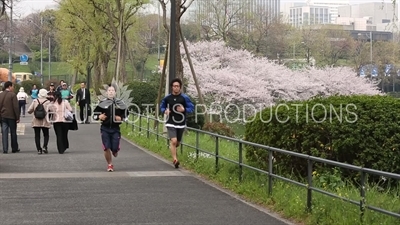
x=83, y=100
x=51, y=93
x=111, y=112
x=176, y=105
x=10, y=115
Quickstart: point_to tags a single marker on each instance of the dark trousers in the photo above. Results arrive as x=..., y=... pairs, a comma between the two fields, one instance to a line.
x=9, y=125
x=45, y=131
x=61, y=130
x=84, y=111
x=111, y=138
x=22, y=106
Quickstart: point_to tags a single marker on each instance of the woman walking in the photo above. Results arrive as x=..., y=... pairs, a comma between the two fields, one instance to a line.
x=22, y=98
x=40, y=122
x=60, y=124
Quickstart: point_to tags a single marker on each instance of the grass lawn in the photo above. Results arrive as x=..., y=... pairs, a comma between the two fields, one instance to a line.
x=287, y=199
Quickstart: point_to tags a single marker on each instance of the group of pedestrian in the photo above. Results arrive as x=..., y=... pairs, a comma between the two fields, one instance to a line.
x=111, y=111
x=48, y=107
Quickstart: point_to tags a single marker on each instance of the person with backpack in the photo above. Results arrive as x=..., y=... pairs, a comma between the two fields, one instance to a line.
x=40, y=122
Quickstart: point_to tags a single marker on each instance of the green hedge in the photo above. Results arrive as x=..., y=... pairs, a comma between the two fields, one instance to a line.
x=143, y=93
x=366, y=135
x=27, y=84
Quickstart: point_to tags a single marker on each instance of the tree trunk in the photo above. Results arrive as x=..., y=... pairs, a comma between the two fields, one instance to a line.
x=196, y=83
x=162, y=85
x=73, y=79
x=178, y=58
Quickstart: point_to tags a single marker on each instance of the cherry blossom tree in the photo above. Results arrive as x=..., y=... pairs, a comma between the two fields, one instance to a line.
x=230, y=76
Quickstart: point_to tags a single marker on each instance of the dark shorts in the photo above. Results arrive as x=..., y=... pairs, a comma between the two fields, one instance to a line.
x=175, y=133
x=111, y=138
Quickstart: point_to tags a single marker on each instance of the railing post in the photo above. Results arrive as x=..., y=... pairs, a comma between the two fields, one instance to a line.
x=197, y=144
x=148, y=126
x=362, y=193
x=240, y=161
x=309, y=185
x=133, y=122
x=181, y=146
x=157, y=128
x=140, y=123
x=216, y=153
x=270, y=172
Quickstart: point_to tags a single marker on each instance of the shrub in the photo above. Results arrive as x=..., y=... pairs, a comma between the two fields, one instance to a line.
x=195, y=119
x=219, y=128
x=28, y=84
x=143, y=93
x=359, y=130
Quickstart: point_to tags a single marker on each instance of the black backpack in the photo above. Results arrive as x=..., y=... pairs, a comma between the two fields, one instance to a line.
x=40, y=112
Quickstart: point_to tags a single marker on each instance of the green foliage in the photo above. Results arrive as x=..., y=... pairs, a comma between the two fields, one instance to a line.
x=219, y=128
x=143, y=93
x=286, y=199
x=359, y=130
x=195, y=119
x=28, y=84
x=330, y=179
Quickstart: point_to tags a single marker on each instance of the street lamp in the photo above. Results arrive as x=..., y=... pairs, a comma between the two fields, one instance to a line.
x=370, y=40
x=41, y=47
x=10, y=40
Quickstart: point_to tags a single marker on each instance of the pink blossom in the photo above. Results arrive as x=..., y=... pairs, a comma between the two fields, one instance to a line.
x=228, y=75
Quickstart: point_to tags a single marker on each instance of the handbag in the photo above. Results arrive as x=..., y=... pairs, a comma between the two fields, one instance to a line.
x=74, y=124
x=68, y=116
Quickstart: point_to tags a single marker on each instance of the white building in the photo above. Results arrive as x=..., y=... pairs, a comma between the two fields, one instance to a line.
x=312, y=12
x=333, y=6
x=370, y=16
x=309, y=15
x=201, y=8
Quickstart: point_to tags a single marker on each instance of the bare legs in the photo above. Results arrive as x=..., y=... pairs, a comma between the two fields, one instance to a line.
x=107, y=155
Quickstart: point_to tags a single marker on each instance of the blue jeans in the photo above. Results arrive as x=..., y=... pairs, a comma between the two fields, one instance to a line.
x=9, y=125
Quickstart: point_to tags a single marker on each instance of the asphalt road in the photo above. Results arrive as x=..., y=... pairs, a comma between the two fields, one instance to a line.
x=74, y=188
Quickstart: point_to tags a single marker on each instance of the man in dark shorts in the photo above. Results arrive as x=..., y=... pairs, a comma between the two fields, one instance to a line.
x=176, y=105
x=112, y=112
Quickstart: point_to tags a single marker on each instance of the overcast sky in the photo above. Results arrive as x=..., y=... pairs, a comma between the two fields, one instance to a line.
x=25, y=7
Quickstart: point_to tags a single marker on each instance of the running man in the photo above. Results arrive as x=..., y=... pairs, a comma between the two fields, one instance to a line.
x=112, y=112
x=176, y=105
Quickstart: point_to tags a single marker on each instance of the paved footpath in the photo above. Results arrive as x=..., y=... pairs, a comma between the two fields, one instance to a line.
x=74, y=188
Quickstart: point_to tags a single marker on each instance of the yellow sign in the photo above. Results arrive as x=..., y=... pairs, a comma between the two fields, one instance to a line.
x=161, y=62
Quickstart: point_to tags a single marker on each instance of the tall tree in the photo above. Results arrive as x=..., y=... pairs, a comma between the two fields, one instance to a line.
x=219, y=18
x=81, y=32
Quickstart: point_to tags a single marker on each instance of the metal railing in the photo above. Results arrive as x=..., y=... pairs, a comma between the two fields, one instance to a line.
x=270, y=173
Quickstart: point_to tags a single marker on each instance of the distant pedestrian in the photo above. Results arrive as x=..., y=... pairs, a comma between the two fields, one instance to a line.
x=22, y=97
x=60, y=124
x=176, y=105
x=51, y=92
x=112, y=112
x=40, y=121
x=83, y=100
x=10, y=116
x=59, y=87
x=66, y=93
x=34, y=92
